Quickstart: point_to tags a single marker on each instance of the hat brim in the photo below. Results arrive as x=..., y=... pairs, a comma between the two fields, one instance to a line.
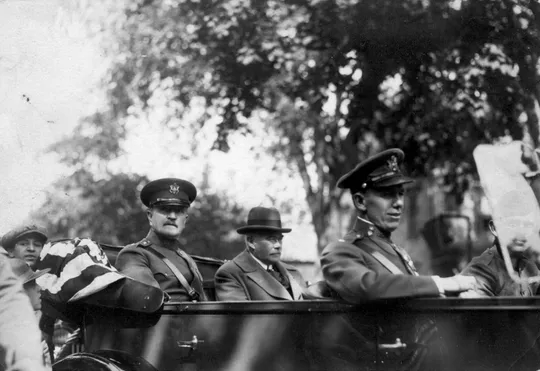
x=359, y=175
x=35, y=275
x=163, y=186
x=171, y=203
x=261, y=228
x=391, y=182
x=42, y=235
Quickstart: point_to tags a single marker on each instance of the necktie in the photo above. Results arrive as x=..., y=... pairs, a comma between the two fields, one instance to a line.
x=406, y=259
x=278, y=276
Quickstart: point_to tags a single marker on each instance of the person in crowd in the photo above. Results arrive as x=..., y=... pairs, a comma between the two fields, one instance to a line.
x=494, y=280
x=366, y=264
x=25, y=242
x=258, y=272
x=28, y=277
x=492, y=275
x=158, y=259
x=20, y=348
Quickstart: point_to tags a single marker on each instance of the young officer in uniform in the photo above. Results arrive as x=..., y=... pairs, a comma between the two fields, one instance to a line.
x=158, y=259
x=366, y=264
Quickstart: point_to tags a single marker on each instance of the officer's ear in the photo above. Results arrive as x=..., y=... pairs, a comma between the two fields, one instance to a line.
x=359, y=201
x=149, y=213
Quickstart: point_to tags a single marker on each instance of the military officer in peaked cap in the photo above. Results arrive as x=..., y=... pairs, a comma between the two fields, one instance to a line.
x=158, y=259
x=258, y=273
x=366, y=264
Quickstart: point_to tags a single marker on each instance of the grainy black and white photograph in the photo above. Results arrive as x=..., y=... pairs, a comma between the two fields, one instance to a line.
x=270, y=185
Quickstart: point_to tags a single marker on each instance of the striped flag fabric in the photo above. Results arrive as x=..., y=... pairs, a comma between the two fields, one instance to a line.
x=78, y=269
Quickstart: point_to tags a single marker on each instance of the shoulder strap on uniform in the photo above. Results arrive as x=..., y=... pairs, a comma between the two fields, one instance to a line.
x=144, y=243
x=383, y=260
x=376, y=254
x=193, y=294
x=387, y=263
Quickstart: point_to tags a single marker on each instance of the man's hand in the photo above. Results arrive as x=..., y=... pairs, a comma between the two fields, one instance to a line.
x=457, y=283
x=470, y=294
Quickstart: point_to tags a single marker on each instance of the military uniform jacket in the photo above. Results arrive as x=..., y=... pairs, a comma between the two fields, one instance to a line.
x=137, y=262
x=243, y=278
x=493, y=279
x=356, y=275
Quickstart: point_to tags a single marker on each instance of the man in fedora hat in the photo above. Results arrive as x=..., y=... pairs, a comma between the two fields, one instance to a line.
x=366, y=264
x=25, y=242
x=158, y=259
x=258, y=273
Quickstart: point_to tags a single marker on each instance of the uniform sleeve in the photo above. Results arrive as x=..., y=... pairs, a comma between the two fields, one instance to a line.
x=487, y=281
x=347, y=272
x=20, y=337
x=134, y=263
x=228, y=287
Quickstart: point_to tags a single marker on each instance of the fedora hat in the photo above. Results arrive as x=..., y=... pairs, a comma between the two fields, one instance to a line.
x=263, y=219
x=24, y=272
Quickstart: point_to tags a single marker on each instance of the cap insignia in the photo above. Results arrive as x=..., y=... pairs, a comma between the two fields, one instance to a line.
x=174, y=188
x=392, y=163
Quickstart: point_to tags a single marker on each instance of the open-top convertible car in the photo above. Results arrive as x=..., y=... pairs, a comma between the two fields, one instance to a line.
x=471, y=334
x=138, y=330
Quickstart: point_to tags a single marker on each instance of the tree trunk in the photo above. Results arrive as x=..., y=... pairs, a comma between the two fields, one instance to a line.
x=333, y=224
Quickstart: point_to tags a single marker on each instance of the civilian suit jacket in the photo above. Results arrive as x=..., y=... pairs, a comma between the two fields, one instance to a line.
x=493, y=278
x=137, y=262
x=243, y=278
x=356, y=275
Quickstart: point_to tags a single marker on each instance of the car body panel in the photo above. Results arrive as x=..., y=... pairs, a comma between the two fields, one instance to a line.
x=474, y=334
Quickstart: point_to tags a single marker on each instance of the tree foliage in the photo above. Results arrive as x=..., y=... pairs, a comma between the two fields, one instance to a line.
x=337, y=79
x=109, y=211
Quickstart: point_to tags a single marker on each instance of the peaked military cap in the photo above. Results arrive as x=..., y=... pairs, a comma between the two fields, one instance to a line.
x=263, y=219
x=10, y=238
x=378, y=171
x=168, y=191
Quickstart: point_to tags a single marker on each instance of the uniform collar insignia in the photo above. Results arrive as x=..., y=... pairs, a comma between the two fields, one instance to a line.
x=174, y=188
x=361, y=229
x=365, y=228
x=392, y=163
